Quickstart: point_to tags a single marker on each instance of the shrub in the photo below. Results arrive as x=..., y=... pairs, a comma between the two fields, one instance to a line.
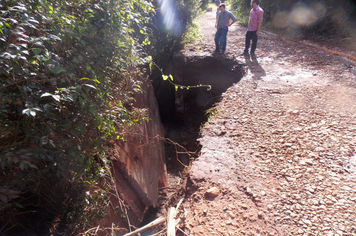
x=68, y=70
x=65, y=71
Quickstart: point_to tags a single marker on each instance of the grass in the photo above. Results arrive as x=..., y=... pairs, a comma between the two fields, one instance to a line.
x=210, y=113
x=193, y=33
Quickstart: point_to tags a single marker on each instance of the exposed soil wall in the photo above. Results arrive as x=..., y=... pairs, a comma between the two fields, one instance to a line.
x=138, y=165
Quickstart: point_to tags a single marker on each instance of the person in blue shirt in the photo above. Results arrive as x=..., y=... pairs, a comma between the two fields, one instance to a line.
x=224, y=21
x=217, y=3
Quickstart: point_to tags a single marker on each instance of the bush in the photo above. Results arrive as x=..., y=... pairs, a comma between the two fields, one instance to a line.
x=65, y=67
x=68, y=70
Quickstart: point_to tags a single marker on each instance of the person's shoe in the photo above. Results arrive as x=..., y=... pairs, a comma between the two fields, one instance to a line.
x=222, y=52
x=245, y=53
x=216, y=51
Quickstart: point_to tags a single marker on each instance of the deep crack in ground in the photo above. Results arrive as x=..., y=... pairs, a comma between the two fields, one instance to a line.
x=280, y=149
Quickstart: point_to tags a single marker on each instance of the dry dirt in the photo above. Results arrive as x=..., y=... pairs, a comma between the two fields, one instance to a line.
x=278, y=156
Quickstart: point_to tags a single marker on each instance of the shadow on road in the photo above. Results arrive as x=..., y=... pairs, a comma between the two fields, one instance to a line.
x=255, y=68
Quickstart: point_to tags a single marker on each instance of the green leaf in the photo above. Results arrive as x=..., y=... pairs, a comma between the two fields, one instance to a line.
x=46, y=94
x=54, y=37
x=146, y=42
x=32, y=166
x=7, y=55
x=78, y=88
x=22, y=58
x=93, y=110
x=18, y=205
x=18, y=8
x=76, y=59
x=171, y=77
x=58, y=69
x=38, y=44
x=55, y=97
x=3, y=198
x=50, y=157
x=13, y=21
x=33, y=21
x=74, y=133
x=26, y=112
x=50, y=9
x=90, y=86
x=36, y=51
x=33, y=62
x=149, y=59
x=165, y=77
x=37, y=109
x=22, y=165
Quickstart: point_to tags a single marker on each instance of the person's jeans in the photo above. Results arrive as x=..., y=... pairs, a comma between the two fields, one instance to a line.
x=251, y=35
x=221, y=33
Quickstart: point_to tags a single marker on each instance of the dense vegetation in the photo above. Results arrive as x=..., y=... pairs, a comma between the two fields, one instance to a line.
x=320, y=18
x=68, y=70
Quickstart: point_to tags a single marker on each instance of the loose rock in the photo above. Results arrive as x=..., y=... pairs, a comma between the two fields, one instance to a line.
x=212, y=192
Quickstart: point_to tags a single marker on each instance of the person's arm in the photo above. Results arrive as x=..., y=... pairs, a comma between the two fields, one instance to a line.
x=259, y=22
x=233, y=18
x=233, y=21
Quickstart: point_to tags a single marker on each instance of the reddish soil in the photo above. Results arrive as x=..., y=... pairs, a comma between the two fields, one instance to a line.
x=278, y=155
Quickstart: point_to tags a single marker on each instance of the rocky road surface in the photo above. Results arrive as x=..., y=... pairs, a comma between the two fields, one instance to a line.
x=279, y=155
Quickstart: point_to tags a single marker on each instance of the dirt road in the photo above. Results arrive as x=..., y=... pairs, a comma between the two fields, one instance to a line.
x=280, y=150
